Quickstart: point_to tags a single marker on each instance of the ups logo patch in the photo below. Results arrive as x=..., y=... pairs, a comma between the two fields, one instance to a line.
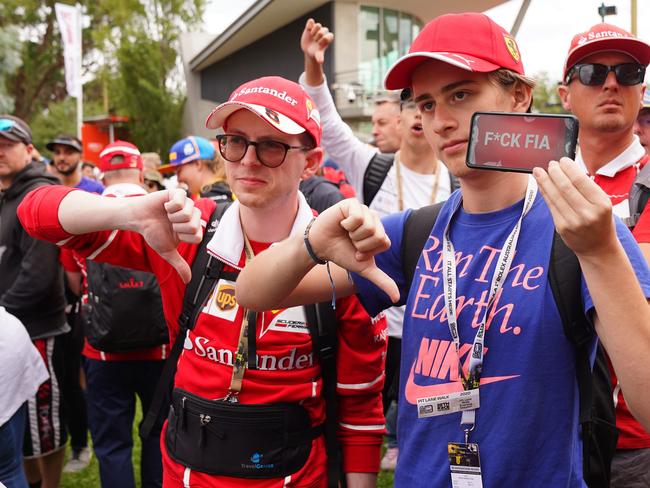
x=226, y=297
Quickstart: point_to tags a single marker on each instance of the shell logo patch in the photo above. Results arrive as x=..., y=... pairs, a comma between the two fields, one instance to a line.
x=511, y=46
x=285, y=320
x=312, y=112
x=226, y=297
x=273, y=115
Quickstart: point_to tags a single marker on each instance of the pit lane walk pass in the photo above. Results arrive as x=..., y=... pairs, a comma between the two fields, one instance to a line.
x=449, y=403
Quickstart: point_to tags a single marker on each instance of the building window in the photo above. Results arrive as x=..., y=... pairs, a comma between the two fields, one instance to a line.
x=385, y=36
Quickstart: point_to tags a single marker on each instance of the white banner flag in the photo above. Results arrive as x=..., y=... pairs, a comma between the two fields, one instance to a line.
x=69, y=20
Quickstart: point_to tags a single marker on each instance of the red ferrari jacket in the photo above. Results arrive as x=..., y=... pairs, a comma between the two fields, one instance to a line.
x=287, y=371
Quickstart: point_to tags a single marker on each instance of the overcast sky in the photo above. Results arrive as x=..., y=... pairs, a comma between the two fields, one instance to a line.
x=543, y=38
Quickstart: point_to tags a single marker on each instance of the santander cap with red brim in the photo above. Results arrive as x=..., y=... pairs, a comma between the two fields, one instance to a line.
x=281, y=103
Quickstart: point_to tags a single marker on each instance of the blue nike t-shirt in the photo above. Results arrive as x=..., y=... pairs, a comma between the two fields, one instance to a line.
x=527, y=425
x=91, y=186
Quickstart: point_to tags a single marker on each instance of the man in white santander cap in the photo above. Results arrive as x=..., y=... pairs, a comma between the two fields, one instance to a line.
x=249, y=401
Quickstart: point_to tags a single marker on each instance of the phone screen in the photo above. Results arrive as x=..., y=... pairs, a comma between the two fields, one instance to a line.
x=519, y=141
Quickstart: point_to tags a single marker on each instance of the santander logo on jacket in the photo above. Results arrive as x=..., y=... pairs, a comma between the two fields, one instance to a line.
x=222, y=304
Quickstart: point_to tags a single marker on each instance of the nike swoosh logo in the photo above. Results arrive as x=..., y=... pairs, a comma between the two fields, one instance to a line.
x=413, y=391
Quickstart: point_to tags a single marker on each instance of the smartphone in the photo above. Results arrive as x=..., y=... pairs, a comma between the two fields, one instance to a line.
x=520, y=141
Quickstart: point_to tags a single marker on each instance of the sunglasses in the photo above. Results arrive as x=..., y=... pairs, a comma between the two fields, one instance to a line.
x=271, y=154
x=595, y=74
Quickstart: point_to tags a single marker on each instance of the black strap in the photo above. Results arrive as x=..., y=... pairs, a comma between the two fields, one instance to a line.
x=596, y=407
x=377, y=171
x=643, y=201
x=375, y=175
x=417, y=230
x=252, y=339
x=296, y=438
x=322, y=322
x=564, y=276
x=206, y=271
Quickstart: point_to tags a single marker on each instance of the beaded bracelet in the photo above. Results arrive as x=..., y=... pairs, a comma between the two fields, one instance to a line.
x=310, y=250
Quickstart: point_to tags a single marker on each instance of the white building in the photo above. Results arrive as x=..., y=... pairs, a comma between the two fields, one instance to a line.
x=265, y=40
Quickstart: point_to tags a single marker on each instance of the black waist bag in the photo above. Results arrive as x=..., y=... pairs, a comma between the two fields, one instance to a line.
x=243, y=441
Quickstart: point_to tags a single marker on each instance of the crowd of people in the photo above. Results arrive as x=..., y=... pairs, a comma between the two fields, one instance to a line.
x=297, y=308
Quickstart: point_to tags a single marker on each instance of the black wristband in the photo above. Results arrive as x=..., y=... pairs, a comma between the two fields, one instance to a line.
x=310, y=250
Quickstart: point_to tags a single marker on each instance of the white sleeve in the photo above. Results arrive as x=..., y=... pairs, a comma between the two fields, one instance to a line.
x=338, y=141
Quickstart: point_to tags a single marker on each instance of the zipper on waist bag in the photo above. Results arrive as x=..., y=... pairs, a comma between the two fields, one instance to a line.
x=205, y=420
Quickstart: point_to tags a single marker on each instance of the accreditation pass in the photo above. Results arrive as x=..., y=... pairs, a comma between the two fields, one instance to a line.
x=465, y=465
x=449, y=403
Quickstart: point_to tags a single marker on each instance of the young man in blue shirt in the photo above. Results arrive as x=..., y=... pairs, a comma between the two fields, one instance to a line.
x=480, y=298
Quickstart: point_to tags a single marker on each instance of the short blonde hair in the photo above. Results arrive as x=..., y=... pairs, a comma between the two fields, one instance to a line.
x=507, y=78
x=216, y=165
x=151, y=160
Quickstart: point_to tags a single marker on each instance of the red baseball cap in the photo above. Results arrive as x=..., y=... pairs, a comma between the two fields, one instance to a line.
x=606, y=37
x=283, y=104
x=470, y=41
x=132, y=159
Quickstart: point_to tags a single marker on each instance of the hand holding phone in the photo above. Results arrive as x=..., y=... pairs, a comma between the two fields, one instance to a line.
x=520, y=141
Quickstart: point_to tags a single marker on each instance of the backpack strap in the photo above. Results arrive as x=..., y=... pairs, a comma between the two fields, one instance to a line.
x=375, y=175
x=322, y=321
x=417, y=230
x=206, y=271
x=639, y=193
x=564, y=276
x=596, y=411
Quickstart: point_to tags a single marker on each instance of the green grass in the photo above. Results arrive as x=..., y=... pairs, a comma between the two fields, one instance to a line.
x=385, y=479
x=89, y=477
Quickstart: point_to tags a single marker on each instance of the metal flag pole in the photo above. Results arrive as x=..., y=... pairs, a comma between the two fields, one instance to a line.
x=79, y=65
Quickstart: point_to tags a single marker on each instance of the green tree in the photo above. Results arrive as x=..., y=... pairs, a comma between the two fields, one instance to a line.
x=59, y=117
x=155, y=111
x=40, y=78
x=9, y=62
x=107, y=25
x=545, y=97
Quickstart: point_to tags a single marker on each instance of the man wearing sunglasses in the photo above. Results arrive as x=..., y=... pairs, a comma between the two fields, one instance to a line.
x=31, y=288
x=271, y=142
x=603, y=87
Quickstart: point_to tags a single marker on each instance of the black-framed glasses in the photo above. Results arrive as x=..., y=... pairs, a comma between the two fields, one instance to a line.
x=595, y=74
x=270, y=153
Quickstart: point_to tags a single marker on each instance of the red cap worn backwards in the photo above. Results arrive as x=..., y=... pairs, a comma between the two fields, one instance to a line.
x=470, y=41
x=283, y=104
x=606, y=37
x=131, y=158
